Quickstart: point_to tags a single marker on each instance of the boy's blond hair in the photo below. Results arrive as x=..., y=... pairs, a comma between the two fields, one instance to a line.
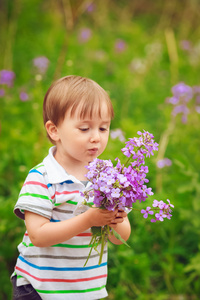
x=70, y=92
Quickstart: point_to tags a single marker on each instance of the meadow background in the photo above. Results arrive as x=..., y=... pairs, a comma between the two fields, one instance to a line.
x=137, y=51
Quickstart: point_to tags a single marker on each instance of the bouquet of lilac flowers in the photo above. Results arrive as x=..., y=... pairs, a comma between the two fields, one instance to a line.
x=122, y=185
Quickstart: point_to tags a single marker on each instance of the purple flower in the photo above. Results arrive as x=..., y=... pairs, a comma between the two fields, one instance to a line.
x=180, y=109
x=24, y=96
x=120, y=46
x=122, y=185
x=160, y=216
x=139, y=147
x=173, y=100
x=115, y=193
x=159, y=204
x=182, y=94
x=105, y=188
x=181, y=90
x=90, y=7
x=147, y=212
x=7, y=77
x=168, y=215
x=164, y=210
x=41, y=63
x=161, y=164
x=164, y=162
x=117, y=133
x=186, y=45
x=169, y=204
x=84, y=35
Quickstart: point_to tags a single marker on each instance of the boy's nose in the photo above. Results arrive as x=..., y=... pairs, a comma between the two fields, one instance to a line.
x=95, y=137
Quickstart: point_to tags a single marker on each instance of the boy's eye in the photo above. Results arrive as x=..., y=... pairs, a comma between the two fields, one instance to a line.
x=83, y=129
x=103, y=129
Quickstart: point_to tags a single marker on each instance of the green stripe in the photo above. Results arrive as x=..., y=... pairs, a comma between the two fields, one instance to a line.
x=62, y=245
x=35, y=195
x=38, y=166
x=71, y=291
x=70, y=202
x=72, y=246
x=29, y=245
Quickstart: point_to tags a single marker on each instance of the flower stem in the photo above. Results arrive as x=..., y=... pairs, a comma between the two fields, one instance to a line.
x=92, y=246
x=131, y=157
x=128, y=160
x=102, y=244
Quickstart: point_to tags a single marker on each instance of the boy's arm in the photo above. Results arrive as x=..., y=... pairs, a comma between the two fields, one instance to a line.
x=122, y=226
x=44, y=233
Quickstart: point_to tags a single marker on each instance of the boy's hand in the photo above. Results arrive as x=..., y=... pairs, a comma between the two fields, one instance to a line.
x=119, y=218
x=102, y=217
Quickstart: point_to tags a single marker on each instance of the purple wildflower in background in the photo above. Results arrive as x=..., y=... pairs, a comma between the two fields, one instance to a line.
x=182, y=94
x=41, y=63
x=181, y=109
x=186, y=45
x=90, y=7
x=2, y=92
x=117, y=133
x=23, y=96
x=165, y=162
x=84, y=35
x=172, y=100
x=183, y=91
x=7, y=77
x=120, y=46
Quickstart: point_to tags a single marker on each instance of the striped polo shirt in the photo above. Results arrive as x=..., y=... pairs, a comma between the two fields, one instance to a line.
x=58, y=272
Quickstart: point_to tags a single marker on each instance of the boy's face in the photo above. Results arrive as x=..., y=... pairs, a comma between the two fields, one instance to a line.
x=79, y=141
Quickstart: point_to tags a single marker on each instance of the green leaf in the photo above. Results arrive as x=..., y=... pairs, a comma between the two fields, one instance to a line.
x=118, y=236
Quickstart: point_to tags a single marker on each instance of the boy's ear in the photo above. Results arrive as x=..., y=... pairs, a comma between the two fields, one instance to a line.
x=52, y=130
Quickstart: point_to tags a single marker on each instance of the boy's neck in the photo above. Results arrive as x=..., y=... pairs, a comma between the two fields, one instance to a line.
x=79, y=174
x=73, y=168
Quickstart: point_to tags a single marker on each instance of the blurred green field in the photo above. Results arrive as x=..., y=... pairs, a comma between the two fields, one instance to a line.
x=137, y=51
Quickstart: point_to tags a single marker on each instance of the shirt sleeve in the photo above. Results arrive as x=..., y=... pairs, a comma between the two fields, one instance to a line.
x=34, y=196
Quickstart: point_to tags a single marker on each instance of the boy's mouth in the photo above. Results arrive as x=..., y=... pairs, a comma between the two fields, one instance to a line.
x=93, y=151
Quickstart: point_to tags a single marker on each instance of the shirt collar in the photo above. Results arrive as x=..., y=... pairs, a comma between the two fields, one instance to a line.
x=55, y=172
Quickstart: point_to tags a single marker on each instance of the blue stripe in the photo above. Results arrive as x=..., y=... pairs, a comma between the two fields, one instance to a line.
x=35, y=171
x=67, y=181
x=49, y=184
x=61, y=269
x=53, y=220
